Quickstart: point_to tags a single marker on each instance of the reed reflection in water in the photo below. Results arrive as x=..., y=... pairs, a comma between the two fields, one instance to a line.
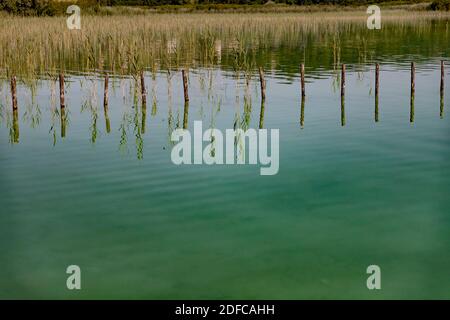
x=135, y=118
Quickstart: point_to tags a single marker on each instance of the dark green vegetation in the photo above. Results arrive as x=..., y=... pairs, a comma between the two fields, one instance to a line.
x=246, y=2
x=54, y=7
x=29, y=7
x=440, y=5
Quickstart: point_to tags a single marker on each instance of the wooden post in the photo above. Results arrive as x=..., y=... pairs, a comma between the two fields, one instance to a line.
x=185, y=85
x=61, y=90
x=105, y=94
x=105, y=104
x=14, y=93
x=143, y=91
x=377, y=89
x=302, y=78
x=343, y=80
x=263, y=84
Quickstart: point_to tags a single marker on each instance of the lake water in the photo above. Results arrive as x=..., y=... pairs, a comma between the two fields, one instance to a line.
x=99, y=190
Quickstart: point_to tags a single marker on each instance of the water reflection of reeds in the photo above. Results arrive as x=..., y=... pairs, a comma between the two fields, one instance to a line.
x=132, y=92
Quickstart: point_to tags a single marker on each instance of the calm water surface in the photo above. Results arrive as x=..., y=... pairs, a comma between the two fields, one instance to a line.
x=99, y=190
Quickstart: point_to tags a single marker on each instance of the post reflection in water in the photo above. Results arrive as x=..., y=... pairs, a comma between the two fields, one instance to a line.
x=413, y=91
x=107, y=122
x=376, y=108
x=411, y=110
x=138, y=134
x=170, y=120
x=143, y=115
x=105, y=105
x=377, y=86
x=302, y=113
x=154, y=96
x=261, y=115
x=143, y=91
x=137, y=119
x=93, y=128
x=14, y=131
x=343, y=95
x=245, y=124
x=342, y=110
x=63, y=122
x=441, y=90
x=186, y=115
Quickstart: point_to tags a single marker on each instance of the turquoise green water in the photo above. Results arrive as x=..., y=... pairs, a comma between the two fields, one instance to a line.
x=345, y=197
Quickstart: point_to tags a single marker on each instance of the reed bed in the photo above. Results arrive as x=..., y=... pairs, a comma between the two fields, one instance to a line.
x=36, y=46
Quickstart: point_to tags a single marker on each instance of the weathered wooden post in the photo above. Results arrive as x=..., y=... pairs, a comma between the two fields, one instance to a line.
x=263, y=84
x=302, y=79
x=61, y=90
x=143, y=91
x=185, y=85
x=105, y=93
x=14, y=92
x=186, y=99
x=377, y=89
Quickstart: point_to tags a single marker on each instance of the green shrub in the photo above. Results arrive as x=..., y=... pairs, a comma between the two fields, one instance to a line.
x=28, y=7
x=440, y=5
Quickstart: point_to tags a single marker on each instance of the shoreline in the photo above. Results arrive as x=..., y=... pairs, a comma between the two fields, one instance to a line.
x=272, y=8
